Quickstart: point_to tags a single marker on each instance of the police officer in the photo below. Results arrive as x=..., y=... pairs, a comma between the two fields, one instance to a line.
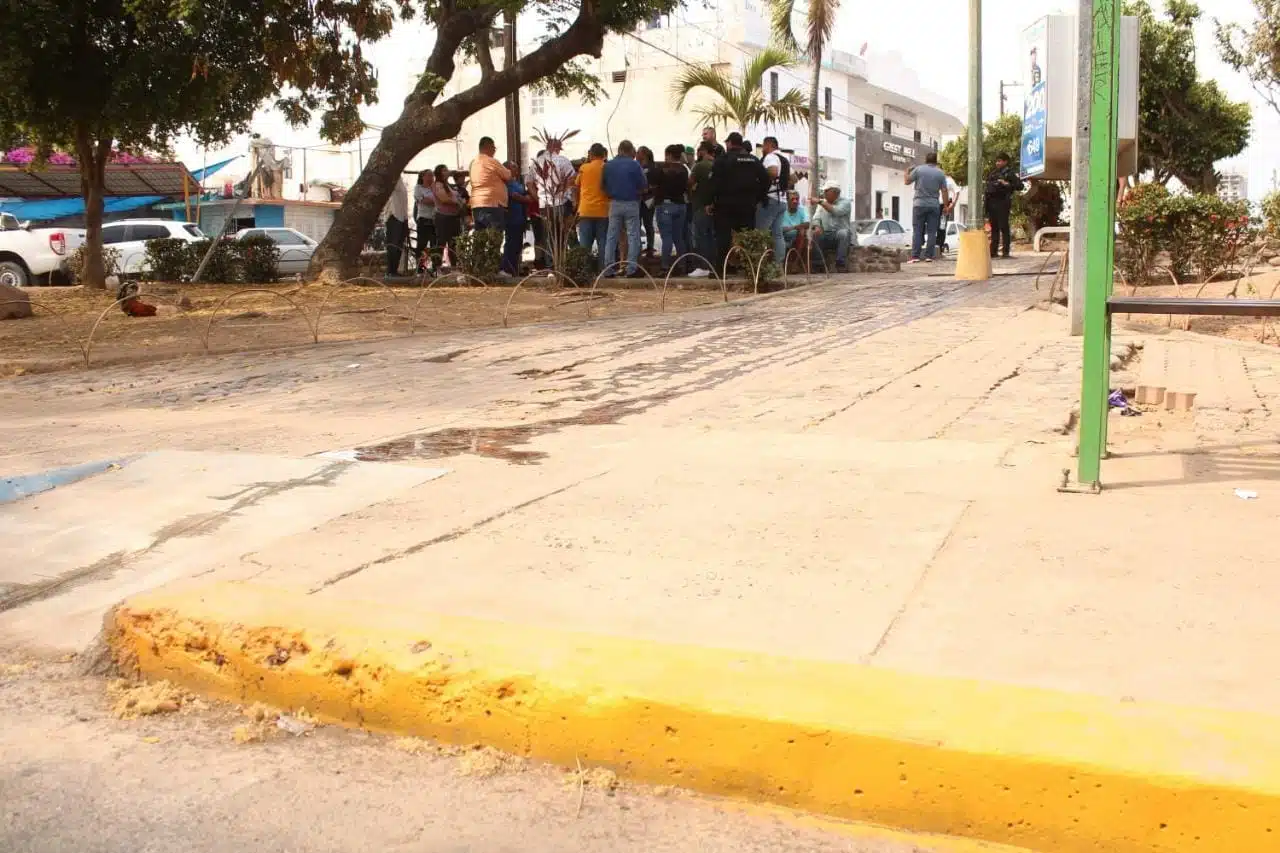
x=739, y=184
x=1002, y=183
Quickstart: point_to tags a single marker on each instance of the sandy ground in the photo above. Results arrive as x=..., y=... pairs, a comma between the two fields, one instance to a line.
x=68, y=321
x=76, y=777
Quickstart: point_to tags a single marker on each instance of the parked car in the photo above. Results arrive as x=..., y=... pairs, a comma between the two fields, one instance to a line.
x=35, y=255
x=129, y=237
x=885, y=233
x=296, y=248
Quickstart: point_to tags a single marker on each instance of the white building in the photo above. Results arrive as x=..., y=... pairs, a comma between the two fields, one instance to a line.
x=1233, y=186
x=877, y=120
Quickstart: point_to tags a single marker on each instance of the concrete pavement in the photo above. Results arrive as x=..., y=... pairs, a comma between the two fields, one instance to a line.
x=860, y=473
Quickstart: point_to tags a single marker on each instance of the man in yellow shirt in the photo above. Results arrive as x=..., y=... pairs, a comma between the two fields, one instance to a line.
x=593, y=204
x=489, y=188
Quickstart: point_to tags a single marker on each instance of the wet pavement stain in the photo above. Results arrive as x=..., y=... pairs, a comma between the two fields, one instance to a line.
x=502, y=443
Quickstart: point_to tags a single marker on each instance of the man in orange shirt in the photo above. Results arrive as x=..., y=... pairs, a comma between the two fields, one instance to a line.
x=489, y=188
x=593, y=204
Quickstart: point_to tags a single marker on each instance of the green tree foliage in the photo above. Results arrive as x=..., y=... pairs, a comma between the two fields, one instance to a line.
x=94, y=76
x=1002, y=136
x=817, y=26
x=1254, y=49
x=1185, y=124
x=740, y=102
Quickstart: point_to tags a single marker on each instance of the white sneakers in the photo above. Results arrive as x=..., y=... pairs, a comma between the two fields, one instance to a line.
x=700, y=273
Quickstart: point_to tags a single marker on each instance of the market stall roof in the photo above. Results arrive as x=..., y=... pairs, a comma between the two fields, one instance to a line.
x=163, y=179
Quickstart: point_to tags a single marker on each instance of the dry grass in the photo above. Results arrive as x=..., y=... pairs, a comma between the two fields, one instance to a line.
x=271, y=317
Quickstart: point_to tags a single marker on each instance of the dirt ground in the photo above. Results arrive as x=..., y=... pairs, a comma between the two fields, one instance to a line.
x=95, y=765
x=70, y=322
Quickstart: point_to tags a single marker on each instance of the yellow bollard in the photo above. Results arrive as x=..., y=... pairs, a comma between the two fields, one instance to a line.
x=973, y=262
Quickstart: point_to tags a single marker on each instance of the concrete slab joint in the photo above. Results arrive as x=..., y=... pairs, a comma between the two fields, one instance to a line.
x=1034, y=768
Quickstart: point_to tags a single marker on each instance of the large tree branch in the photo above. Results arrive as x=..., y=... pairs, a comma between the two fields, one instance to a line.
x=585, y=35
x=484, y=56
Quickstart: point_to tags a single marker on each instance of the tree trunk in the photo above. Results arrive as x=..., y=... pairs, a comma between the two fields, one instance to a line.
x=92, y=160
x=422, y=122
x=815, y=87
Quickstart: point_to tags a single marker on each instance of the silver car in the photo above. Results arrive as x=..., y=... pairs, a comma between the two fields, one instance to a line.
x=296, y=248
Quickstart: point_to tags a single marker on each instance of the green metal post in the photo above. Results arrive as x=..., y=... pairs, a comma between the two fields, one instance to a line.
x=976, y=215
x=1100, y=240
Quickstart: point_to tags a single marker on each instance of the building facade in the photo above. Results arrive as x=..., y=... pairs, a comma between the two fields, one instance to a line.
x=877, y=120
x=1233, y=186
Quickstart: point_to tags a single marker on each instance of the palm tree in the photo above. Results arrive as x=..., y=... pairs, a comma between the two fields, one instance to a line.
x=819, y=22
x=741, y=102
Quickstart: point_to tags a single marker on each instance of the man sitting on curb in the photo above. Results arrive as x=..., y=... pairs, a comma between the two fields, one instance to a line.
x=830, y=227
x=795, y=228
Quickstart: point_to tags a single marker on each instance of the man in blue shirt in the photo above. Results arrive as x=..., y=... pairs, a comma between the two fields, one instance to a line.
x=517, y=221
x=624, y=184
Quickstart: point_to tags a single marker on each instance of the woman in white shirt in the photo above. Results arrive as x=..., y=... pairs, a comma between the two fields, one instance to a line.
x=424, y=211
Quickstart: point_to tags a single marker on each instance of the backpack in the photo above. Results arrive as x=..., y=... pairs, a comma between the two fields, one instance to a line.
x=783, y=184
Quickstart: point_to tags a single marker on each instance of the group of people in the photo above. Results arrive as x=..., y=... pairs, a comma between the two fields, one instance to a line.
x=696, y=198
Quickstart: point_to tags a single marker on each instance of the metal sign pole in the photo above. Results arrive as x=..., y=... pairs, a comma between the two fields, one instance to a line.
x=1100, y=243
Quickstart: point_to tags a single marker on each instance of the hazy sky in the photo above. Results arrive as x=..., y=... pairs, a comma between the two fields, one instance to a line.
x=933, y=43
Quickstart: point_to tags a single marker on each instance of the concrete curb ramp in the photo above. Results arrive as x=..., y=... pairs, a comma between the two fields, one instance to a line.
x=1037, y=769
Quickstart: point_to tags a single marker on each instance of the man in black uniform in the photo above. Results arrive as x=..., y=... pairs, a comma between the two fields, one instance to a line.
x=1002, y=183
x=739, y=183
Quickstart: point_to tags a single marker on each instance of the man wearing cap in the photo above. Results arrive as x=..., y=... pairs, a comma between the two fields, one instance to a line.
x=830, y=227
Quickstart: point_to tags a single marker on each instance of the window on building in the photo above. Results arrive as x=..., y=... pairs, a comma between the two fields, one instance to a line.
x=896, y=205
x=826, y=102
x=619, y=76
x=773, y=85
x=868, y=121
x=919, y=137
x=888, y=126
x=537, y=105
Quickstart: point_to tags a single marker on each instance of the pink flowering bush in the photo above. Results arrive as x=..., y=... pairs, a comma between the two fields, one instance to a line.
x=25, y=156
x=1201, y=233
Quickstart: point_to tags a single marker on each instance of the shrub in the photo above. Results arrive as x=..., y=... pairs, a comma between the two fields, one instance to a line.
x=479, y=253
x=579, y=265
x=756, y=243
x=168, y=260
x=1271, y=213
x=1042, y=205
x=224, y=266
x=1201, y=233
x=259, y=259
x=110, y=263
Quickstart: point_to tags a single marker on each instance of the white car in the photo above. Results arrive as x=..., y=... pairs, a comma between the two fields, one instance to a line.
x=34, y=255
x=129, y=237
x=296, y=248
x=885, y=233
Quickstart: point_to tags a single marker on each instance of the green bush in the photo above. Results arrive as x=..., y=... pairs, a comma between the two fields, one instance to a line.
x=1201, y=233
x=479, y=253
x=1271, y=213
x=756, y=243
x=580, y=265
x=224, y=267
x=1041, y=205
x=110, y=263
x=259, y=259
x=168, y=260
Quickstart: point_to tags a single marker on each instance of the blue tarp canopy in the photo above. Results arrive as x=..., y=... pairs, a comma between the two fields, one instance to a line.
x=44, y=210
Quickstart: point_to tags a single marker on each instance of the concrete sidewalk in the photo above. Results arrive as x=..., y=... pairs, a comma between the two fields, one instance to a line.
x=856, y=475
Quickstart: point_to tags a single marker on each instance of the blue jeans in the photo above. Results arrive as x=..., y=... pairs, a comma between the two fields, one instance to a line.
x=769, y=218
x=924, y=229
x=704, y=235
x=838, y=240
x=670, y=217
x=593, y=232
x=513, y=247
x=490, y=217
x=623, y=214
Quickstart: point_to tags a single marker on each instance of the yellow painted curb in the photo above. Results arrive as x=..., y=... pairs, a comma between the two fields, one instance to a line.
x=1033, y=768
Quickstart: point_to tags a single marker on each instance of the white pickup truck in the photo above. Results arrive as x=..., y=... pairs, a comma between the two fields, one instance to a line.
x=35, y=255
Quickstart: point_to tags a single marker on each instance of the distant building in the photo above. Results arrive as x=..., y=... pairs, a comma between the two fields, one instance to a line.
x=1233, y=186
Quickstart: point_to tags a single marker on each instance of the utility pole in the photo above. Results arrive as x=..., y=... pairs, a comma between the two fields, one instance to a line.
x=1080, y=168
x=1003, y=85
x=513, y=100
x=974, y=261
